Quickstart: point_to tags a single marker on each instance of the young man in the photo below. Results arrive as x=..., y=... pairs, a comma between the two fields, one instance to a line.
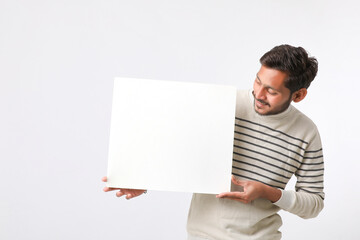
x=273, y=141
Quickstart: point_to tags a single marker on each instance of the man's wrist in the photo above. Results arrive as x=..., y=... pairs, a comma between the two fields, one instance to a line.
x=272, y=194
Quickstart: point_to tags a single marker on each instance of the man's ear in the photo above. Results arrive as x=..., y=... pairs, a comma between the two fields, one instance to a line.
x=299, y=95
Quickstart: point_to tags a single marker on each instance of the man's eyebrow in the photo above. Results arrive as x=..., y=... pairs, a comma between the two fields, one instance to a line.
x=257, y=76
x=267, y=86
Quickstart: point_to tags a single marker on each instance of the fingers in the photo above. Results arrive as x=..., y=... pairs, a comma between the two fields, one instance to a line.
x=230, y=195
x=123, y=192
x=129, y=193
x=237, y=196
x=120, y=193
x=108, y=189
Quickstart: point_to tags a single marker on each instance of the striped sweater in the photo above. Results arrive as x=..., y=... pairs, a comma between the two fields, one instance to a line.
x=269, y=149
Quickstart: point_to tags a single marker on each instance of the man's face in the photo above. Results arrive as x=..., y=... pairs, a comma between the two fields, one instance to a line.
x=271, y=95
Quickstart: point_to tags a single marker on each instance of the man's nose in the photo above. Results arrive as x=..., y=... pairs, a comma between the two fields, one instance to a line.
x=260, y=94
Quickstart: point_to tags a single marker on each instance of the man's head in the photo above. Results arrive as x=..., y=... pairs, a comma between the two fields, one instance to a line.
x=284, y=76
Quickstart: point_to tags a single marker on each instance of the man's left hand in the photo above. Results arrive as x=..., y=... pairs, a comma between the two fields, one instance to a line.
x=252, y=190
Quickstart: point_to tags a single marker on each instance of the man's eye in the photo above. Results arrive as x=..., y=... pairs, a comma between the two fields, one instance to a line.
x=272, y=92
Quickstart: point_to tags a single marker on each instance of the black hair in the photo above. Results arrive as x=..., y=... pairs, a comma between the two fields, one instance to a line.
x=295, y=62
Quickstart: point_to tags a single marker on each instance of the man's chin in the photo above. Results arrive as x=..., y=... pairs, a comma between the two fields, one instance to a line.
x=261, y=112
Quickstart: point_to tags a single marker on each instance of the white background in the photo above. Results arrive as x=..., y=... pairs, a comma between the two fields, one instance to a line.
x=57, y=64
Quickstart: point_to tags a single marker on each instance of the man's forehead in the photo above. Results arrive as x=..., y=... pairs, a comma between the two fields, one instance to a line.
x=272, y=78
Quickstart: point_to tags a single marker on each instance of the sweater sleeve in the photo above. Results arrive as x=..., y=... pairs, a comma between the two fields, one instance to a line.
x=308, y=199
x=302, y=204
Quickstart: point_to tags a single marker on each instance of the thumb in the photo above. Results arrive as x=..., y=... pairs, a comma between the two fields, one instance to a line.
x=237, y=181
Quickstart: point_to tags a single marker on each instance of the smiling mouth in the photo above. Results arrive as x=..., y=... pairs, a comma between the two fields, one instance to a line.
x=261, y=102
x=258, y=102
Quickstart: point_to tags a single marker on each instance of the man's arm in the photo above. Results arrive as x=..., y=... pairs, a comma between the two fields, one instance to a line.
x=308, y=199
x=303, y=204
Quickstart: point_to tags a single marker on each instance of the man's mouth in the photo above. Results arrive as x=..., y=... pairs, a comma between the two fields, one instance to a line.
x=261, y=103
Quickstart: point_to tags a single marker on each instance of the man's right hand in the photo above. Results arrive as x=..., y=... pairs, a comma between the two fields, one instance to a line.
x=129, y=193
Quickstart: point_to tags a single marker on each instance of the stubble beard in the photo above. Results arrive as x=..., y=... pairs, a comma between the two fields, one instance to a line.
x=281, y=109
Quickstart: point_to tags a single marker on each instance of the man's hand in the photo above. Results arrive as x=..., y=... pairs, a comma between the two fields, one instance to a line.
x=129, y=193
x=252, y=190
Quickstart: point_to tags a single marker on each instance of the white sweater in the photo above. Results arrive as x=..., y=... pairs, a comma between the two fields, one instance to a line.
x=268, y=149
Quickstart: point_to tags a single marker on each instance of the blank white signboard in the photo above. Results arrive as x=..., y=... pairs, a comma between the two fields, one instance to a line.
x=171, y=136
